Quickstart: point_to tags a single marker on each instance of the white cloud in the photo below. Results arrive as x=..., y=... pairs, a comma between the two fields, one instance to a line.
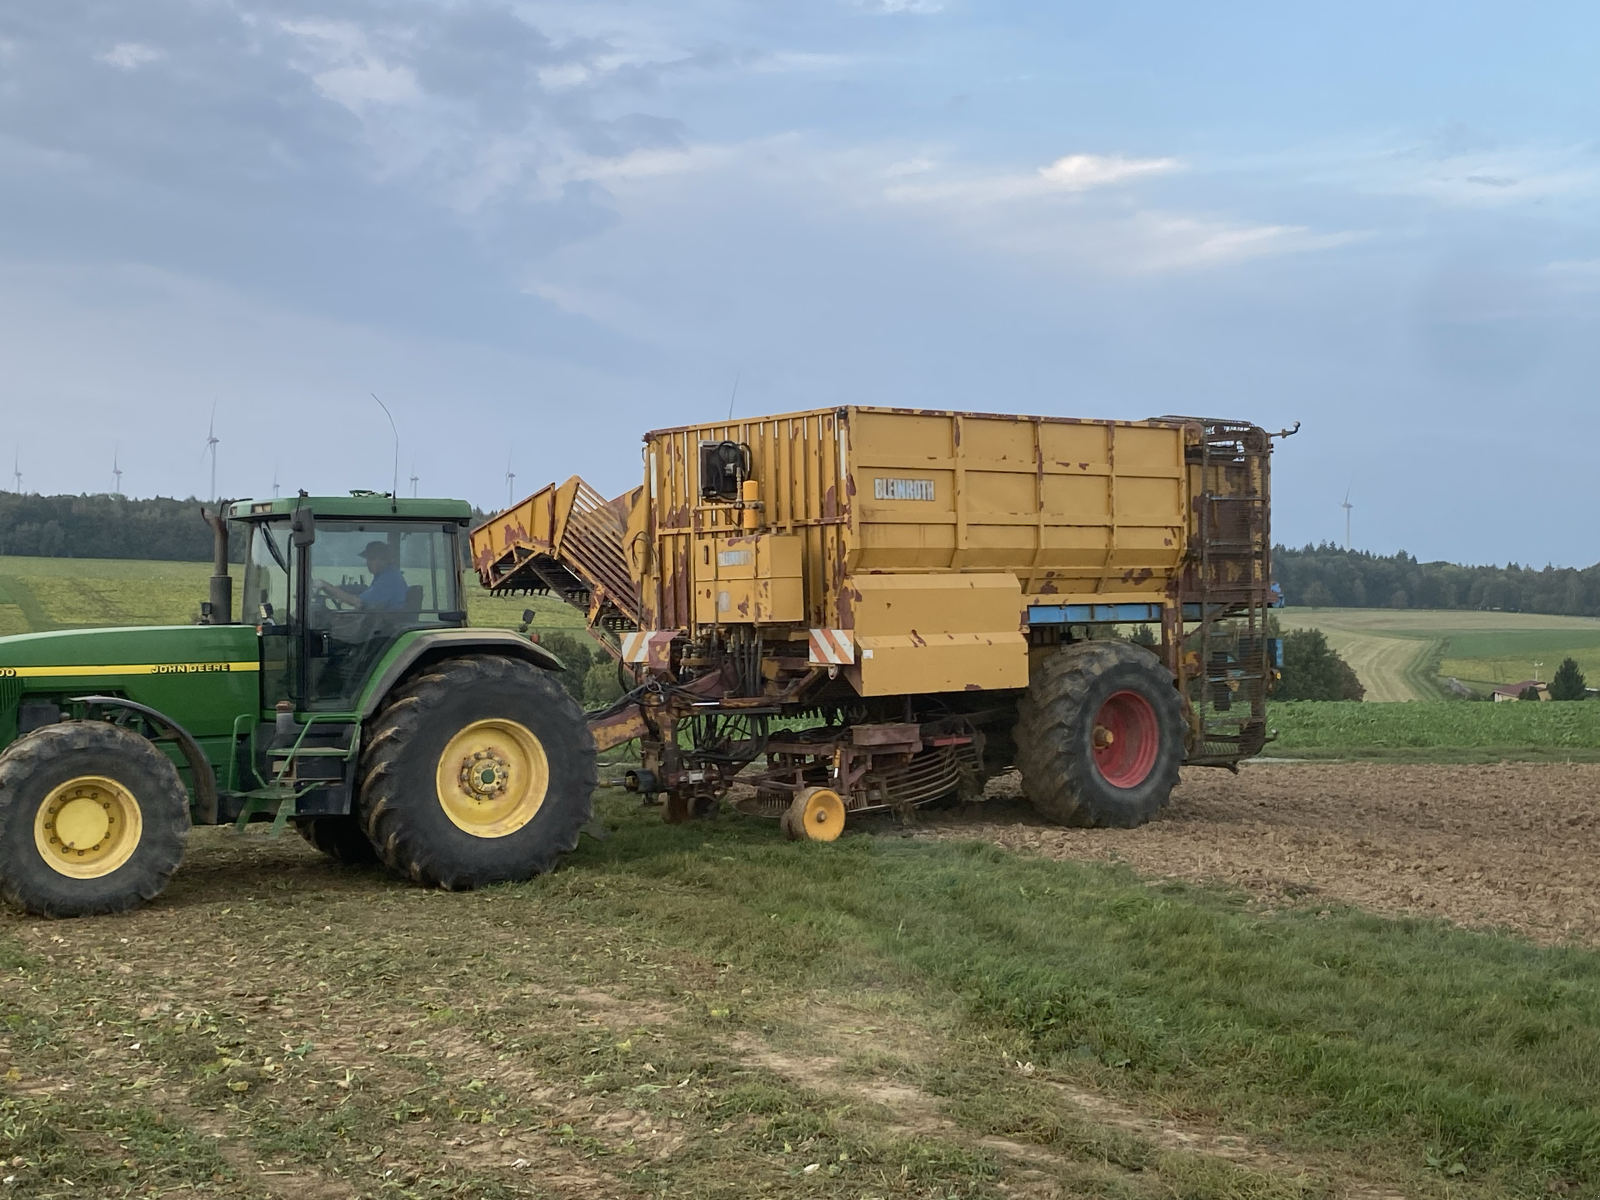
x=130, y=56
x=351, y=73
x=1078, y=172
x=565, y=75
x=1154, y=241
x=902, y=6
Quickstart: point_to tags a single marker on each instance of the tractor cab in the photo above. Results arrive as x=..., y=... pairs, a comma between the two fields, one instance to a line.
x=331, y=584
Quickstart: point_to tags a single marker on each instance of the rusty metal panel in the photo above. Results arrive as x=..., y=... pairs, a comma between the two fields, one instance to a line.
x=926, y=632
x=565, y=538
x=1070, y=507
x=798, y=462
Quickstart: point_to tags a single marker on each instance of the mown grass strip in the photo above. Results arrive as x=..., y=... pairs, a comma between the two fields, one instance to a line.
x=1330, y=1029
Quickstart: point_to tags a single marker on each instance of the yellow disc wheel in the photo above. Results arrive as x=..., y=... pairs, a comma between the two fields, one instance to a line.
x=817, y=814
x=493, y=777
x=88, y=827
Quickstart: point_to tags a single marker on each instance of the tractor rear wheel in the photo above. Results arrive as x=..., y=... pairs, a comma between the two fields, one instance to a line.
x=1100, y=735
x=340, y=838
x=479, y=771
x=93, y=819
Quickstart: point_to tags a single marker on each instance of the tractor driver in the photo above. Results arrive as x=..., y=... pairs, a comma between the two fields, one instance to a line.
x=386, y=592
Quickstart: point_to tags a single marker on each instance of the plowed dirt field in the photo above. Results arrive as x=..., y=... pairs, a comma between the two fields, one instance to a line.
x=1514, y=846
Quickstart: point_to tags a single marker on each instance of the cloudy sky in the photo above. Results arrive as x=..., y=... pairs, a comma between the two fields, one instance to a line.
x=536, y=230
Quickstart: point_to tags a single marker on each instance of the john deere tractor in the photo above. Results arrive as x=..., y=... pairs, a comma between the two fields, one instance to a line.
x=344, y=695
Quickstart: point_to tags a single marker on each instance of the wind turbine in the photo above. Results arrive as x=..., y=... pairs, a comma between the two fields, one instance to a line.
x=16, y=471
x=1347, y=506
x=212, y=442
x=413, y=479
x=274, y=481
x=510, y=479
x=116, y=469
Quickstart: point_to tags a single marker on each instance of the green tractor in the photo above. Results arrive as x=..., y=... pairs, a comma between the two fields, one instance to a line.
x=346, y=696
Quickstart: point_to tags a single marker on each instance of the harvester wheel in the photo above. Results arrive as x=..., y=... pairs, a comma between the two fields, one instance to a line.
x=340, y=838
x=1100, y=735
x=816, y=814
x=93, y=819
x=480, y=771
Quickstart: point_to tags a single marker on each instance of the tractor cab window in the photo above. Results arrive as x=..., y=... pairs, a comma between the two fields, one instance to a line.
x=265, y=601
x=367, y=582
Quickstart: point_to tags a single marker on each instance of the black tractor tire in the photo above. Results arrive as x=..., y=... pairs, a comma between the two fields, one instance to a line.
x=139, y=847
x=408, y=815
x=1071, y=693
x=341, y=838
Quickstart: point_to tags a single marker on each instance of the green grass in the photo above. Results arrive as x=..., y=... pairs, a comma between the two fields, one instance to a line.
x=1436, y=731
x=38, y=594
x=1323, y=1028
x=368, y=1027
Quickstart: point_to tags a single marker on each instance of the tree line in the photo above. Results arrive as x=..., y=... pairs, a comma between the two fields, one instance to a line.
x=1326, y=576
x=103, y=526
x=110, y=526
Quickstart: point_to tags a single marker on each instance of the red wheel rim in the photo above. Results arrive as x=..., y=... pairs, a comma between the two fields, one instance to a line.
x=1125, y=737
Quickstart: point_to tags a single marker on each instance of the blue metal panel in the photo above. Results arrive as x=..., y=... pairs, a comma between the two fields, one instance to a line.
x=1091, y=614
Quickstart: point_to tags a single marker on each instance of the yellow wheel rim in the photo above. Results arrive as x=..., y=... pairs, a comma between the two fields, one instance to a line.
x=493, y=777
x=820, y=815
x=88, y=827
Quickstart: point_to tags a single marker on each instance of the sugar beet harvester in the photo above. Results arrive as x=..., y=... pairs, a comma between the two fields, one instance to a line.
x=859, y=608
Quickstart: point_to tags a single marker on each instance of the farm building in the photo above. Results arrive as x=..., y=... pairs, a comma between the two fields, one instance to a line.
x=1514, y=691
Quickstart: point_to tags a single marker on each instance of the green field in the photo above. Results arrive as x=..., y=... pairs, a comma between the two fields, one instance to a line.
x=1407, y=654
x=39, y=594
x=1435, y=731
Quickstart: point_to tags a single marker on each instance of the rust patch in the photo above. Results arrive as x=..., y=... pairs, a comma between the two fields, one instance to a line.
x=917, y=639
x=848, y=595
x=1048, y=589
x=973, y=687
x=619, y=728
x=830, y=502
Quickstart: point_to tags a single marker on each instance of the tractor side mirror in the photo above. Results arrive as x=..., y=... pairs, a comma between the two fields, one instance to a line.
x=303, y=527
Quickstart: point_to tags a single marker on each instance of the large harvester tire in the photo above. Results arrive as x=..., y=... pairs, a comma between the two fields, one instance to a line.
x=480, y=771
x=340, y=838
x=93, y=819
x=1100, y=735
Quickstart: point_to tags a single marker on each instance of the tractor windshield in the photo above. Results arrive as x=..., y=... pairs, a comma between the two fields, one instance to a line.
x=369, y=581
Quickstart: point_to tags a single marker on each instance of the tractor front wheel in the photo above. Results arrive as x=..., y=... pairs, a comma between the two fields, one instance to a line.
x=479, y=771
x=93, y=819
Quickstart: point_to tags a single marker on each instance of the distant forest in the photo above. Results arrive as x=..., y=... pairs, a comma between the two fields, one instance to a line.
x=1326, y=576
x=104, y=526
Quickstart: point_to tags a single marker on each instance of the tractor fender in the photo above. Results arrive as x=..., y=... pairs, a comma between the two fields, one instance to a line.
x=425, y=648
x=205, y=779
